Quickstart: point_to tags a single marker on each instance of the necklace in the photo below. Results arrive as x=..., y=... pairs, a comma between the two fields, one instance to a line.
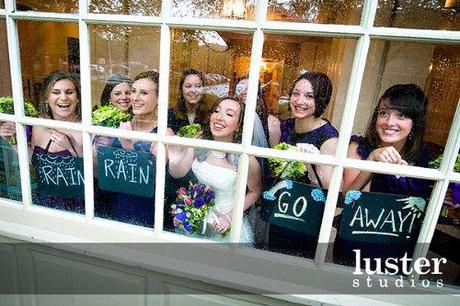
x=218, y=154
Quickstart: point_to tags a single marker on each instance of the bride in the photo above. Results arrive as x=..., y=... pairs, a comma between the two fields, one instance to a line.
x=218, y=169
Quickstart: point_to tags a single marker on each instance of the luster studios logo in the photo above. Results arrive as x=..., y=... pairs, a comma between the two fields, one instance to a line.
x=396, y=266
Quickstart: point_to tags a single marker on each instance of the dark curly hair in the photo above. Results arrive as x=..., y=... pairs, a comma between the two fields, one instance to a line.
x=181, y=108
x=47, y=86
x=322, y=90
x=410, y=100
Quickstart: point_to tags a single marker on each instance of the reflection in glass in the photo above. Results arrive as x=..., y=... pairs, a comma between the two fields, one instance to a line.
x=5, y=83
x=119, y=53
x=195, y=84
x=124, y=182
x=10, y=178
x=57, y=6
x=46, y=47
x=434, y=15
x=138, y=7
x=329, y=12
x=2, y=4
x=433, y=67
x=233, y=9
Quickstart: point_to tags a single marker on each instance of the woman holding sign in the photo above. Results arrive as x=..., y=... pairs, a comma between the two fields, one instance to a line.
x=55, y=153
x=394, y=135
x=309, y=96
x=218, y=169
x=134, y=165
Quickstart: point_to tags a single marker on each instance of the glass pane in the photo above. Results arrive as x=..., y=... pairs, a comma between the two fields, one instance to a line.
x=124, y=182
x=204, y=64
x=435, y=15
x=57, y=169
x=232, y=9
x=200, y=194
x=317, y=71
x=10, y=178
x=5, y=83
x=2, y=4
x=336, y=12
x=287, y=215
x=138, y=7
x=118, y=55
x=47, y=47
x=446, y=239
x=382, y=219
x=434, y=71
x=57, y=6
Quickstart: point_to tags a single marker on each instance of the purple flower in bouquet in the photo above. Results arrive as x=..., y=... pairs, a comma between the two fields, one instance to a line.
x=191, y=206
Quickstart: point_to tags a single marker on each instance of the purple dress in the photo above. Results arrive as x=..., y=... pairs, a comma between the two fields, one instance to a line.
x=61, y=203
x=387, y=183
x=285, y=240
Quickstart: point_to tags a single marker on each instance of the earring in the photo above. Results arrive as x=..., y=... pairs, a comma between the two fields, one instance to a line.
x=411, y=136
x=47, y=109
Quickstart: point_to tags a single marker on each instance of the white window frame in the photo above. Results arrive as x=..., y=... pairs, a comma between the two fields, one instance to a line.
x=26, y=217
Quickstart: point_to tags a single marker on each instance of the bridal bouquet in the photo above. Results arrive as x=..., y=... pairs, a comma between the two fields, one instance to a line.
x=191, y=207
x=109, y=116
x=189, y=131
x=285, y=168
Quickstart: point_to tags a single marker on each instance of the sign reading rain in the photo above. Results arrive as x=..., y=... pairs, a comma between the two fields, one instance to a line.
x=126, y=171
x=60, y=176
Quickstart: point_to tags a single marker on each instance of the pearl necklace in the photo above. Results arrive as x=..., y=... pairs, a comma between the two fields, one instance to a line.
x=218, y=154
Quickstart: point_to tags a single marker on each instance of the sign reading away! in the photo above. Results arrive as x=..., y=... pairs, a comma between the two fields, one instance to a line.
x=60, y=176
x=125, y=171
x=295, y=206
x=381, y=218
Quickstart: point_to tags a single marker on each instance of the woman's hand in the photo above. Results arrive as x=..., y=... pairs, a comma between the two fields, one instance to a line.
x=7, y=130
x=387, y=155
x=223, y=223
x=307, y=148
x=61, y=140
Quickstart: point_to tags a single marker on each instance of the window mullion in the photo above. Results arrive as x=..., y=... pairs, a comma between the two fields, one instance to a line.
x=15, y=70
x=434, y=206
x=346, y=126
x=86, y=106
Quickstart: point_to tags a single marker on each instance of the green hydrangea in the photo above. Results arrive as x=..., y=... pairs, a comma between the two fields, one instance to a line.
x=7, y=107
x=189, y=131
x=295, y=170
x=437, y=162
x=109, y=116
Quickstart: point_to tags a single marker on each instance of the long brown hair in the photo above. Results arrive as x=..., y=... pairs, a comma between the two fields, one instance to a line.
x=181, y=108
x=410, y=100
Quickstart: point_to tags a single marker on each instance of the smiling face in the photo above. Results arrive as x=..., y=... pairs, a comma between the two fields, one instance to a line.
x=192, y=89
x=120, y=96
x=302, y=100
x=63, y=100
x=224, y=121
x=144, y=97
x=392, y=126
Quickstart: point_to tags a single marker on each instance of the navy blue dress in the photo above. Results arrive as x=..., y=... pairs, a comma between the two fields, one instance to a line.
x=284, y=240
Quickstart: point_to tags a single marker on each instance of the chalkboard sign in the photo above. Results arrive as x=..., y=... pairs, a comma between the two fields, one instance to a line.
x=60, y=176
x=381, y=218
x=125, y=171
x=295, y=206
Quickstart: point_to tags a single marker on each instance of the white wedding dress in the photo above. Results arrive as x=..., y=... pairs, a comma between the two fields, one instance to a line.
x=222, y=181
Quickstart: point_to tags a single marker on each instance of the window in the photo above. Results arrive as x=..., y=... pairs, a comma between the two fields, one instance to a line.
x=203, y=50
